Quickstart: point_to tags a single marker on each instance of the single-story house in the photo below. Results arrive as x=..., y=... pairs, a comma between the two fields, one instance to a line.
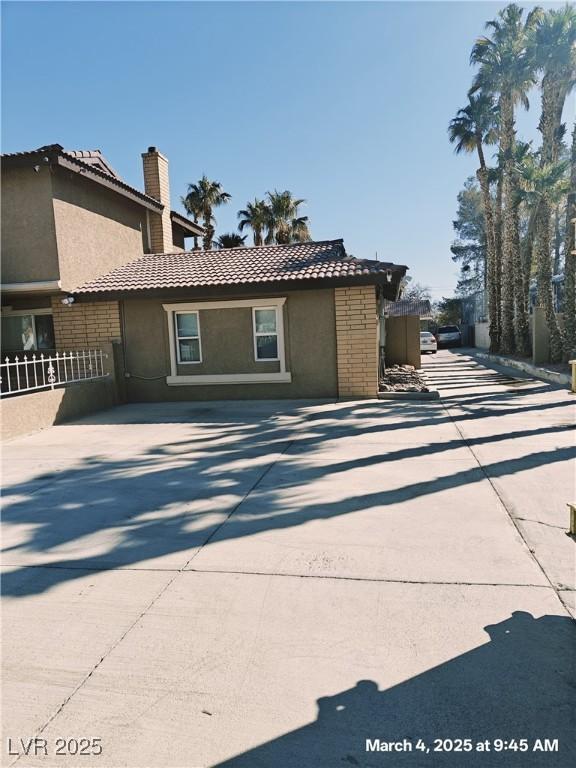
x=274, y=321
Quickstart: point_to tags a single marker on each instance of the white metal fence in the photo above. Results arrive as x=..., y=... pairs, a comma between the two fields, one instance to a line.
x=38, y=371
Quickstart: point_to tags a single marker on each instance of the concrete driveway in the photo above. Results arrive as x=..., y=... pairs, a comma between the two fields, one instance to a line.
x=271, y=584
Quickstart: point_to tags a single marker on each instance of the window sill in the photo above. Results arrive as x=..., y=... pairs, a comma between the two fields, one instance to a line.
x=229, y=378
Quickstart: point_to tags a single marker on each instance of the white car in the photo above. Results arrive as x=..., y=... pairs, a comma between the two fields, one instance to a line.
x=428, y=342
x=449, y=336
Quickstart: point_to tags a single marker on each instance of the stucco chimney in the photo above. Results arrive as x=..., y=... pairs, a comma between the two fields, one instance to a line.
x=157, y=185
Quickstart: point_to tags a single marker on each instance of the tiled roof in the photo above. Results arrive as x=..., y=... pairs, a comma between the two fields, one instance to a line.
x=405, y=307
x=93, y=160
x=55, y=153
x=325, y=260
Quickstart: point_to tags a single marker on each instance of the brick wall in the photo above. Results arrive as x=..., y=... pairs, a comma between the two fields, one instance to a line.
x=85, y=325
x=357, y=341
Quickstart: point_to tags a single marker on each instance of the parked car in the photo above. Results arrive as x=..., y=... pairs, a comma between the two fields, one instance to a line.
x=449, y=336
x=428, y=342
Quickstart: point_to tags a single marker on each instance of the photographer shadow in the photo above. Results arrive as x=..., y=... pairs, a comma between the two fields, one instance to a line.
x=519, y=686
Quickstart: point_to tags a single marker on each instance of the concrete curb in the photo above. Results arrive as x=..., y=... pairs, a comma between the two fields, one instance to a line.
x=433, y=394
x=562, y=379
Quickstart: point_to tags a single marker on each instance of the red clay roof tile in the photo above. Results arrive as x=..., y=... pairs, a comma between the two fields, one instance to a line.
x=324, y=260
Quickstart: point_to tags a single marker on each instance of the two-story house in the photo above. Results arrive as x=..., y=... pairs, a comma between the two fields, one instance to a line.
x=67, y=218
x=88, y=261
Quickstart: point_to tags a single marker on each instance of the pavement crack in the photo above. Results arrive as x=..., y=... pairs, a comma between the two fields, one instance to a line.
x=506, y=508
x=242, y=500
x=375, y=580
x=541, y=522
x=87, y=677
x=141, y=615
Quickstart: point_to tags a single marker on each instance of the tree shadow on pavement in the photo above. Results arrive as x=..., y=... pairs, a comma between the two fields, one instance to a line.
x=172, y=498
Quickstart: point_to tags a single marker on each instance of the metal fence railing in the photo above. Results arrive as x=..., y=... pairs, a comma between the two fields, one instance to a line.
x=25, y=373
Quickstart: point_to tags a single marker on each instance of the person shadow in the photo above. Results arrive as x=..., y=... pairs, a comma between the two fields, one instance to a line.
x=513, y=698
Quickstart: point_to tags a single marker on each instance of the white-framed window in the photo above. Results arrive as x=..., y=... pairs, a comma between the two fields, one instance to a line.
x=184, y=337
x=187, y=333
x=265, y=326
x=27, y=330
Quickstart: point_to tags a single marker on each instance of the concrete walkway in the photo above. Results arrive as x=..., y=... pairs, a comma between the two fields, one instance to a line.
x=268, y=585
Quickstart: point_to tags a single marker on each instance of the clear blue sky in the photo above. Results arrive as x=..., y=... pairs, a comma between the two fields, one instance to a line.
x=345, y=104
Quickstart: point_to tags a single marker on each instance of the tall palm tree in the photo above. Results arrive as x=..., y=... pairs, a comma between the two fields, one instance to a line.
x=256, y=216
x=520, y=278
x=193, y=208
x=545, y=185
x=284, y=224
x=207, y=195
x=507, y=71
x=474, y=126
x=570, y=261
x=230, y=240
x=555, y=56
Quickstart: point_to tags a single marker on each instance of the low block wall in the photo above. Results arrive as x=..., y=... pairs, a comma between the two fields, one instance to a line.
x=24, y=414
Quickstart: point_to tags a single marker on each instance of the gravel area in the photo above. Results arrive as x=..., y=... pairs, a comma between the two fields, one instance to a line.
x=402, y=378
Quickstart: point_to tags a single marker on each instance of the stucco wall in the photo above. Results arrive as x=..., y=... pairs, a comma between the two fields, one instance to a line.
x=227, y=345
x=28, y=230
x=403, y=341
x=96, y=229
x=24, y=414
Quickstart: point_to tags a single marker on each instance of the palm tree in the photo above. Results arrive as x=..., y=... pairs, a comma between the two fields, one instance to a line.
x=520, y=276
x=555, y=56
x=544, y=186
x=256, y=216
x=474, y=126
x=507, y=72
x=192, y=206
x=230, y=240
x=284, y=225
x=570, y=261
x=207, y=195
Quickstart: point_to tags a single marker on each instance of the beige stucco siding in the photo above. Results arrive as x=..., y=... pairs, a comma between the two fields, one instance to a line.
x=28, y=230
x=227, y=347
x=96, y=229
x=227, y=344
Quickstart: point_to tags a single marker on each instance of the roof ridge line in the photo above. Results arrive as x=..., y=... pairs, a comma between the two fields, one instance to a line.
x=245, y=247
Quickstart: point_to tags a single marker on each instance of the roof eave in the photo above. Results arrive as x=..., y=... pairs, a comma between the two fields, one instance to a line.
x=56, y=155
x=188, y=226
x=389, y=287
x=110, y=183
